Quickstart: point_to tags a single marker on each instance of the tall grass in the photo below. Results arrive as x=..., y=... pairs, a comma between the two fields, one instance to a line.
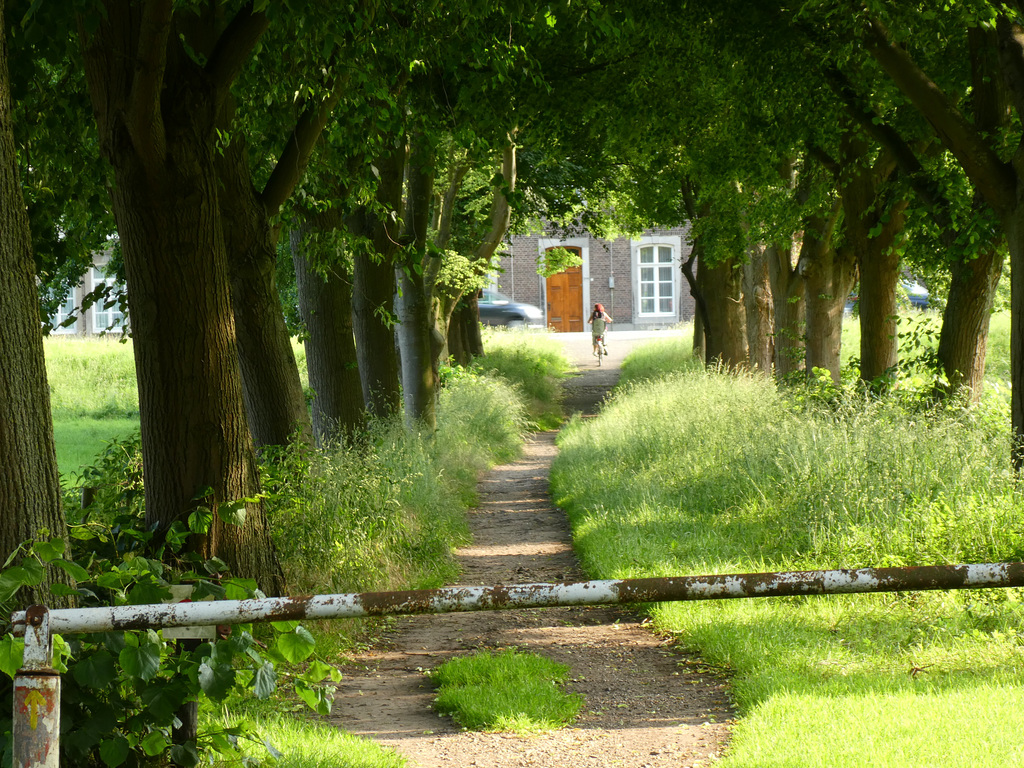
x=534, y=363
x=705, y=473
x=386, y=511
x=91, y=378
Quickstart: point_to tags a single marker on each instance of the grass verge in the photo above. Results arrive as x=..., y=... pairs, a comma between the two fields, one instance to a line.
x=534, y=363
x=705, y=473
x=505, y=691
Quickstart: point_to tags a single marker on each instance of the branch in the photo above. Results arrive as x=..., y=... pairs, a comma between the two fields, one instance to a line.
x=292, y=163
x=143, y=118
x=233, y=48
x=906, y=159
x=987, y=171
x=501, y=210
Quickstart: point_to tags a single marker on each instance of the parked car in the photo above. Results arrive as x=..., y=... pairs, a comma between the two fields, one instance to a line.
x=498, y=309
x=917, y=295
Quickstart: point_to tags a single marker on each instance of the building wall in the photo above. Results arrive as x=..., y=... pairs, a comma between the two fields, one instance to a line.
x=96, y=319
x=610, y=275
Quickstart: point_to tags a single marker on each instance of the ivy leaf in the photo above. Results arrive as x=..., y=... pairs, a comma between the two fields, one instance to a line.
x=264, y=681
x=96, y=670
x=74, y=570
x=232, y=512
x=317, y=672
x=295, y=646
x=163, y=699
x=200, y=520
x=114, y=751
x=49, y=550
x=185, y=755
x=142, y=662
x=30, y=573
x=316, y=698
x=11, y=652
x=154, y=743
x=216, y=681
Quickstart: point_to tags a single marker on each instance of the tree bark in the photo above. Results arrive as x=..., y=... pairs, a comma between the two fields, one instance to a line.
x=156, y=108
x=274, y=400
x=30, y=498
x=373, y=294
x=726, y=332
x=788, y=295
x=963, y=339
x=415, y=327
x=828, y=278
x=760, y=310
x=325, y=304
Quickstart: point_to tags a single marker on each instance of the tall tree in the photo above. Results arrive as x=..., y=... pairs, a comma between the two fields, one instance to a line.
x=30, y=498
x=159, y=75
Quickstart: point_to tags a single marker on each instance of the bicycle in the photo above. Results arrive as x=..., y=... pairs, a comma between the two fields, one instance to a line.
x=600, y=350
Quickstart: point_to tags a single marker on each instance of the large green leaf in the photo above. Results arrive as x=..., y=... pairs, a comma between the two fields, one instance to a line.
x=232, y=512
x=114, y=751
x=96, y=670
x=74, y=570
x=216, y=681
x=185, y=755
x=295, y=646
x=142, y=661
x=11, y=651
x=163, y=699
x=264, y=681
x=154, y=743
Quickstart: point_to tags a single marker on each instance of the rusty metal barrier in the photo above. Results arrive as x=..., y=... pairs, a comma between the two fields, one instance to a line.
x=37, y=686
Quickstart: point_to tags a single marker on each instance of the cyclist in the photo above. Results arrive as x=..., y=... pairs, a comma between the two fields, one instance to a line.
x=598, y=320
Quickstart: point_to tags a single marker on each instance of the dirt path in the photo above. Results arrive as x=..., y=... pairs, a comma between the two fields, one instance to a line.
x=646, y=705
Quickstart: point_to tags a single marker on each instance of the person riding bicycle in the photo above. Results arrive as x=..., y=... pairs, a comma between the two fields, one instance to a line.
x=598, y=320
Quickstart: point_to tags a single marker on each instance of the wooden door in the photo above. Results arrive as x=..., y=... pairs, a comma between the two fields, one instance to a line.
x=565, y=300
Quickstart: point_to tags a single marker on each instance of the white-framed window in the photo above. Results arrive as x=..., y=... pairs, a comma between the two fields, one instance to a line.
x=656, y=278
x=105, y=317
x=66, y=310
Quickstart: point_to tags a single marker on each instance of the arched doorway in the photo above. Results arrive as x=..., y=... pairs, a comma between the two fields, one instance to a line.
x=565, y=298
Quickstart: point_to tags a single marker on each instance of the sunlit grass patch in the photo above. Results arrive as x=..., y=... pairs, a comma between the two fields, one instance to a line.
x=533, y=362
x=704, y=473
x=505, y=691
x=291, y=742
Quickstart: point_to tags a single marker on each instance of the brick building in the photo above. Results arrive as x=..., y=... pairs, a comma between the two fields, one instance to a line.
x=638, y=280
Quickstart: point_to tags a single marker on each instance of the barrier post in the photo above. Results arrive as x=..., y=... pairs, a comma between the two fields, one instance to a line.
x=36, y=732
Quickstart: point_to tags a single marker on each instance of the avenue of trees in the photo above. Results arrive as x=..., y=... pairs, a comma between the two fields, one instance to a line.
x=387, y=149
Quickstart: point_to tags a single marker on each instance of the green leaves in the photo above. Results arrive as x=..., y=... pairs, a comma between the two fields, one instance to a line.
x=11, y=652
x=141, y=659
x=295, y=646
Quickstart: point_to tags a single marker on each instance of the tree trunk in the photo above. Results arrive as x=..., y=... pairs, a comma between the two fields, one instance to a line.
x=471, y=318
x=373, y=294
x=156, y=118
x=30, y=503
x=963, y=340
x=458, y=336
x=415, y=295
x=760, y=310
x=726, y=332
x=325, y=304
x=788, y=297
x=274, y=400
x=1014, y=227
x=828, y=279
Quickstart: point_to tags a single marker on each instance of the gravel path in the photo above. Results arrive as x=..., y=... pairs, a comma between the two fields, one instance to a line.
x=646, y=704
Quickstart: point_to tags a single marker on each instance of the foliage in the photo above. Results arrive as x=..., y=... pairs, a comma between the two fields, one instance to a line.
x=534, y=363
x=123, y=690
x=93, y=377
x=555, y=260
x=385, y=509
x=708, y=473
x=505, y=691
